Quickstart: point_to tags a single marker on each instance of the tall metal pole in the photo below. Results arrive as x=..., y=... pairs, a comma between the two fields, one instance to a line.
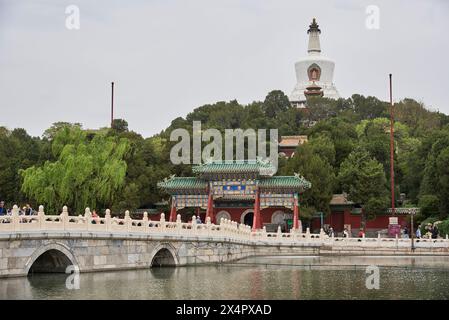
x=412, y=230
x=392, y=146
x=112, y=103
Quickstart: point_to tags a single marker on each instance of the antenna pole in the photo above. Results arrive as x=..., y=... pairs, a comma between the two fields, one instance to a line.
x=112, y=103
x=392, y=146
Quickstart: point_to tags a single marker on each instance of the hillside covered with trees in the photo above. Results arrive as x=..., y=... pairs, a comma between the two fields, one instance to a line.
x=348, y=151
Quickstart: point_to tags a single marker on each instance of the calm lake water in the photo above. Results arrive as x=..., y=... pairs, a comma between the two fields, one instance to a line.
x=252, y=278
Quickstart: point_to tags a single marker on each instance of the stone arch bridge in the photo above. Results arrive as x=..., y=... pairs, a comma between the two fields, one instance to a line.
x=51, y=243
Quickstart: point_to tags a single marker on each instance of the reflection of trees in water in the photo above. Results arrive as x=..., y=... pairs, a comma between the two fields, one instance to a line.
x=15, y=288
x=236, y=282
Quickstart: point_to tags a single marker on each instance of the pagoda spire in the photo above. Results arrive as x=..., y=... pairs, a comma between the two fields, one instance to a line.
x=314, y=37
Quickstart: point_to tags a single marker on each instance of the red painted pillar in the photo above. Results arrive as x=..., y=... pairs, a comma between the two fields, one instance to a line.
x=257, y=223
x=173, y=210
x=210, y=208
x=295, y=213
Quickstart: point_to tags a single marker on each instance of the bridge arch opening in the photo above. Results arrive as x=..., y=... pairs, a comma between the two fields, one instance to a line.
x=51, y=261
x=163, y=258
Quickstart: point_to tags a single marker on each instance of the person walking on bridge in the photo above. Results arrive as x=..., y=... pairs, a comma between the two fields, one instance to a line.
x=418, y=232
x=3, y=210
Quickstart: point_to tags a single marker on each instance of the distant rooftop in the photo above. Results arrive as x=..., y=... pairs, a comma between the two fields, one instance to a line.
x=262, y=167
x=340, y=199
x=292, y=141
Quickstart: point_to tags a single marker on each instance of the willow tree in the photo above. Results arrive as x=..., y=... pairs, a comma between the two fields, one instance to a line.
x=88, y=172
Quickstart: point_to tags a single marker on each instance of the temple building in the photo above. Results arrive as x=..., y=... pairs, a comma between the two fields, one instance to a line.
x=242, y=191
x=288, y=144
x=314, y=73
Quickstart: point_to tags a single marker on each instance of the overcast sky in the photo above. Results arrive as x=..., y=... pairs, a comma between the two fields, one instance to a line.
x=168, y=57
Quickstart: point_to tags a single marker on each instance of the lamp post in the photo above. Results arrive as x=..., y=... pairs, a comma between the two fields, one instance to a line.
x=412, y=212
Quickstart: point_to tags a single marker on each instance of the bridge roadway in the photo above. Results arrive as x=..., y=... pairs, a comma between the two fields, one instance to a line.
x=50, y=243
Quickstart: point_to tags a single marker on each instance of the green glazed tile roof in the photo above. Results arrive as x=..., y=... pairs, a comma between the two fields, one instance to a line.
x=264, y=168
x=296, y=182
x=179, y=183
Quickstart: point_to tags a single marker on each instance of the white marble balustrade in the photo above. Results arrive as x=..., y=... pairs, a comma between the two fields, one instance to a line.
x=227, y=229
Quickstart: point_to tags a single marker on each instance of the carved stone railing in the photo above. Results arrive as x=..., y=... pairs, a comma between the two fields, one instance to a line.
x=227, y=229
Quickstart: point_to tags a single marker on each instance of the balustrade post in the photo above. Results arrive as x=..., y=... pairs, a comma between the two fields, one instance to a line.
x=108, y=221
x=237, y=231
x=15, y=218
x=208, y=226
x=194, y=224
x=231, y=229
x=64, y=216
x=178, y=224
x=322, y=233
x=162, y=220
x=41, y=217
x=223, y=226
x=145, y=221
x=127, y=221
x=88, y=218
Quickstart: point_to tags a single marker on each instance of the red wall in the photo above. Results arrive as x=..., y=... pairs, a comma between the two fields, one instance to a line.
x=380, y=222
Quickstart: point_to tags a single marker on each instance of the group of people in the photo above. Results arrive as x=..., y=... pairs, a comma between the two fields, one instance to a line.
x=432, y=231
x=26, y=210
x=330, y=232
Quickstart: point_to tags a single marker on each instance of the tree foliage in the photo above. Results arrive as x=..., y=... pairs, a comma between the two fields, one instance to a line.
x=310, y=162
x=87, y=173
x=364, y=179
x=118, y=168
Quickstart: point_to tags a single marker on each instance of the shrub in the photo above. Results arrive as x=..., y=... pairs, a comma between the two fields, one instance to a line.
x=424, y=224
x=443, y=228
x=429, y=205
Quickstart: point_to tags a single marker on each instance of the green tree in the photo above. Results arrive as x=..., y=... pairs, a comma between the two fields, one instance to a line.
x=275, y=102
x=436, y=173
x=86, y=172
x=319, y=172
x=341, y=132
x=416, y=117
x=429, y=205
x=51, y=132
x=18, y=151
x=369, y=107
x=364, y=179
x=119, y=125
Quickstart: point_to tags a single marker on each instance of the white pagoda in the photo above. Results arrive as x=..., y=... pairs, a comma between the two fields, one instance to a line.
x=314, y=73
